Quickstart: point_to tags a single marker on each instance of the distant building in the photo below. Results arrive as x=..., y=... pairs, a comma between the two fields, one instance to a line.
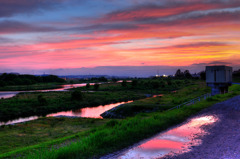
x=195, y=75
x=219, y=78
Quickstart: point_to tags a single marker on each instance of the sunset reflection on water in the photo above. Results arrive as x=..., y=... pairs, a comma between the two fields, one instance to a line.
x=88, y=112
x=177, y=140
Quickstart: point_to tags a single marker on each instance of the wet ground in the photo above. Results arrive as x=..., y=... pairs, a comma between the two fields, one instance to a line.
x=223, y=141
x=212, y=134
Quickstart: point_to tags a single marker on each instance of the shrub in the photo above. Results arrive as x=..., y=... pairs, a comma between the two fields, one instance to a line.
x=42, y=100
x=77, y=95
x=112, y=123
x=96, y=86
x=134, y=83
x=124, y=83
x=87, y=85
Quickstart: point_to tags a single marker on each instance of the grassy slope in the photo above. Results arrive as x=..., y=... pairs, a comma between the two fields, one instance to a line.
x=41, y=130
x=115, y=135
x=22, y=131
x=164, y=102
x=123, y=132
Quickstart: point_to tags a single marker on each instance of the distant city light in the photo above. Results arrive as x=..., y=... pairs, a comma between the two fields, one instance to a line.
x=165, y=75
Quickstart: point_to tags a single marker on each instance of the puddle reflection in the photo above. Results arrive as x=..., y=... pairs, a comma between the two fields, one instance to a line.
x=177, y=140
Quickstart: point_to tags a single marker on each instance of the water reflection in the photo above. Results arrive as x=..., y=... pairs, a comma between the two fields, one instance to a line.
x=90, y=112
x=9, y=94
x=177, y=140
x=65, y=87
x=20, y=120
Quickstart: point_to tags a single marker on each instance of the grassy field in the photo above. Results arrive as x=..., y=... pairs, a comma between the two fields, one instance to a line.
x=40, y=86
x=162, y=103
x=49, y=102
x=30, y=104
x=117, y=134
x=150, y=86
x=56, y=101
x=94, y=137
x=42, y=130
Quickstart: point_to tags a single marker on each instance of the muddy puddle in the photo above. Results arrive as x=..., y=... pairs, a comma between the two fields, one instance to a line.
x=172, y=142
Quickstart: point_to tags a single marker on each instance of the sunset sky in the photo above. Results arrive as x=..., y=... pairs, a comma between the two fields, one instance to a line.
x=113, y=36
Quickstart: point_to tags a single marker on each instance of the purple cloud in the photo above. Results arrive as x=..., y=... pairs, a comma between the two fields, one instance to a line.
x=11, y=7
x=8, y=27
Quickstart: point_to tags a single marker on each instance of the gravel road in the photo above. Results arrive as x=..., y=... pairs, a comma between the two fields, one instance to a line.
x=223, y=142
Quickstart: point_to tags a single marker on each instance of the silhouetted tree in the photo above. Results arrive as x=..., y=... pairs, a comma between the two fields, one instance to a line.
x=124, y=83
x=236, y=73
x=2, y=83
x=87, y=85
x=203, y=75
x=179, y=74
x=187, y=74
x=114, y=80
x=96, y=86
x=16, y=79
x=102, y=79
x=134, y=83
x=77, y=95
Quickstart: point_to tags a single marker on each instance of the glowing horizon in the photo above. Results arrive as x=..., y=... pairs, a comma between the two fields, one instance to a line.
x=40, y=35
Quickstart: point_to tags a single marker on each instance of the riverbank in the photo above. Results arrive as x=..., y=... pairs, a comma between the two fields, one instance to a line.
x=41, y=104
x=93, y=96
x=126, y=132
x=158, y=104
x=41, y=86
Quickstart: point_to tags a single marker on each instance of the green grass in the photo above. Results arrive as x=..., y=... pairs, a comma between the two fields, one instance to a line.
x=49, y=102
x=162, y=103
x=22, y=135
x=116, y=135
x=29, y=104
x=150, y=86
x=40, y=86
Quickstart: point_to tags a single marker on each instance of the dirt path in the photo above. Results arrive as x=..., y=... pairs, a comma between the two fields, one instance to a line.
x=223, y=142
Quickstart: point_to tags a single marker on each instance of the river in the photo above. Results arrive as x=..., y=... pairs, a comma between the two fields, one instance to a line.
x=88, y=112
x=9, y=94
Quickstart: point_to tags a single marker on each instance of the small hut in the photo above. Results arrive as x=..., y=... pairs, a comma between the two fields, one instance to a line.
x=219, y=78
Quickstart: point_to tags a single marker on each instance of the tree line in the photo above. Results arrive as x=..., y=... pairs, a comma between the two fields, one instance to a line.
x=15, y=79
